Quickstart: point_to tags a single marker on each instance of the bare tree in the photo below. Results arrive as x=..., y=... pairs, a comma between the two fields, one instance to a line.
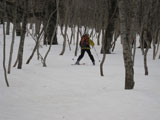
x=127, y=53
x=4, y=55
x=49, y=22
x=4, y=50
x=21, y=45
x=13, y=39
x=36, y=46
x=112, y=14
x=54, y=32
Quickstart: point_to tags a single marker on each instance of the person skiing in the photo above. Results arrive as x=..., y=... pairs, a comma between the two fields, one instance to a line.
x=85, y=44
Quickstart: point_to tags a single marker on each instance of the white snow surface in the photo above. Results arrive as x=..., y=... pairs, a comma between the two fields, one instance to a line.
x=62, y=91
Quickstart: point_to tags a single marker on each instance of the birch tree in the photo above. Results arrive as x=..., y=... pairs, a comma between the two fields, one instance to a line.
x=126, y=45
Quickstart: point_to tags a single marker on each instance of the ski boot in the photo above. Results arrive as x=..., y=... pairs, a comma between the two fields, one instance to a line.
x=77, y=63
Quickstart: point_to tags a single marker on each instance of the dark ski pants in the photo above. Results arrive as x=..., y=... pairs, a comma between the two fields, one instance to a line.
x=82, y=54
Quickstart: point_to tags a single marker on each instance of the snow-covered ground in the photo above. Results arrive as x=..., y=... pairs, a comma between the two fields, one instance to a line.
x=62, y=91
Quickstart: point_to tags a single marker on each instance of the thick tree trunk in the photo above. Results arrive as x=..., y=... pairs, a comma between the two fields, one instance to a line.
x=127, y=53
x=21, y=45
x=112, y=9
x=108, y=39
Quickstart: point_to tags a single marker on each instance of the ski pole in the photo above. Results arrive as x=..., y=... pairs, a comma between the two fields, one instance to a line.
x=97, y=54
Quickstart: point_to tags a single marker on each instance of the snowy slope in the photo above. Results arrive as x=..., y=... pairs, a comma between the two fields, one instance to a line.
x=62, y=91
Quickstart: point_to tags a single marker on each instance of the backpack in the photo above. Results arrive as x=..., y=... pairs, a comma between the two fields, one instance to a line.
x=84, y=41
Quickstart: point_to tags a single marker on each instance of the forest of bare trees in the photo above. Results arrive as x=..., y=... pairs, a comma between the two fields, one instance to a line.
x=106, y=18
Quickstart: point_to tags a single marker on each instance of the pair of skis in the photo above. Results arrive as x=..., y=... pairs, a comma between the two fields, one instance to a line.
x=79, y=64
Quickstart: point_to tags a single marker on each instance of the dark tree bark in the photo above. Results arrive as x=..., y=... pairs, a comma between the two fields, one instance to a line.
x=148, y=38
x=110, y=28
x=4, y=49
x=22, y=39
x=8, y=27
x=18, y=29
x=1, y=21
x=108, y=39
x=13, y=39
x=11, y=50
x=53, y=34
x=4, y=56
x=51, y=13
x=37, y=26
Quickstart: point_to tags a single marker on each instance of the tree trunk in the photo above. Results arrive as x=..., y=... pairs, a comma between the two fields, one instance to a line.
x=104, y=55
x=8, y=27
x=4, y=56
x=13, y=38
x=18, y=29
x=36, y=47
x=98, y=37
x=77, y=42
x=146, y=39
x=51, y=7
x=53, y=34
x=108, y=39
x=11, y=50
x=112, y=11
x=127, y=53
x=65, y=39
x=72, y=37
x=145, y=61
x=4, y=52
x=1, y=21
x=21, y=45
x=37, y=26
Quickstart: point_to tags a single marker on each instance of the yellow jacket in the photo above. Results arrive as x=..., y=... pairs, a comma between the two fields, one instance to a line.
x=91, y=42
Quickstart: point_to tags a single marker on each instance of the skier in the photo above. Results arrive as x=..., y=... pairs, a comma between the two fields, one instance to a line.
x=85, y=44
